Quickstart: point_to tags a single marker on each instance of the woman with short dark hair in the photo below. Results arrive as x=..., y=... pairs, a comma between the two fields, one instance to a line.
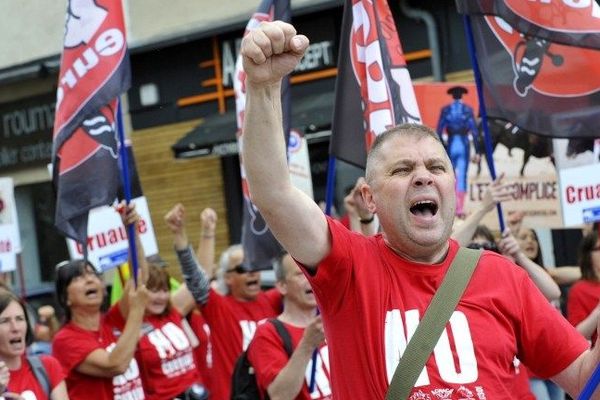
x=97, y=359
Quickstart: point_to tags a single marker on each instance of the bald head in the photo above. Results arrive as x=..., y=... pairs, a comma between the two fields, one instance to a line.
x=416, y=131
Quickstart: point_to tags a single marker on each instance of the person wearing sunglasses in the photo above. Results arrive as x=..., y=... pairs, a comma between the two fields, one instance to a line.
x=97, y=359
x=233, y=316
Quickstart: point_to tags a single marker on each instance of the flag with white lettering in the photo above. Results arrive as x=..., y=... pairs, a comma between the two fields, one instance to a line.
x=373, y=88
x=260, y=246
x=94, y=71
x=540, y=63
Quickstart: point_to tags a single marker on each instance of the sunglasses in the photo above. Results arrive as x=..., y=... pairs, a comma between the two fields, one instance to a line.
x=238, y=269
x=66, y=263
x=484, y=246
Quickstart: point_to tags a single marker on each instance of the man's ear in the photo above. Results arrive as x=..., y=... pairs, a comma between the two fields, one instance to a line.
x=227, y=278
x=281, y=287
x=367, y=196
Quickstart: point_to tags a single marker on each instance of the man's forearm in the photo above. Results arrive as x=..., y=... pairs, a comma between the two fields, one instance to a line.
x=289, y=381
x=574, y=378
x=195, y=279
x=264, y=152
x=590, y=362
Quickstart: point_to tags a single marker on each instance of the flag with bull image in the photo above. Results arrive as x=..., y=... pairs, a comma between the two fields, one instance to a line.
x=94, y=71
x=540, y=63
x=374, y=91
x=260, y=246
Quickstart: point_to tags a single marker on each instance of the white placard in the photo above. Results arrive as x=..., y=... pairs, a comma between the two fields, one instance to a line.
x=10, y=241
x=107, y=237
x=299, y=163
x=580, y=194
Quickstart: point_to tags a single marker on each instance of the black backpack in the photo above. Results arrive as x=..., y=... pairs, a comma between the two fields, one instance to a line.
x=243, y=380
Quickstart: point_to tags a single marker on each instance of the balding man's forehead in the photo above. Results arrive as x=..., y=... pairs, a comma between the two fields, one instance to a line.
x=399, y=145
x=236, y=256
x=404, y=146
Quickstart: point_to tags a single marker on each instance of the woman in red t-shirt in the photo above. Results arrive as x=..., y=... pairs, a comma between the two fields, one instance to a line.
x=165, y=353
x=15, y=335
x=97, y=359
x=583, y=304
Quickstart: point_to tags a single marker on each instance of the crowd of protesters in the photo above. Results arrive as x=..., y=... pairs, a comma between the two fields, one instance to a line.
x=163, y=341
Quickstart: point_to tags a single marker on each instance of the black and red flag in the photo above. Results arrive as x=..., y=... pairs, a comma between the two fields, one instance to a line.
x=373, y=88
x=540, y=63
x=94, y=71
x=260, y=246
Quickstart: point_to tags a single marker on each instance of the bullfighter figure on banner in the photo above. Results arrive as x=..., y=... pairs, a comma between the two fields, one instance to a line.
x=458, y=120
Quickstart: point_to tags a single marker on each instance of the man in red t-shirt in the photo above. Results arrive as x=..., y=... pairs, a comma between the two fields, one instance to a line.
x=232, y=318
x=278, y=374
x=373, y=291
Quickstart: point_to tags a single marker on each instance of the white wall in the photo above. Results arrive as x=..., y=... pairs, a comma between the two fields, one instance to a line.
x=33, y=29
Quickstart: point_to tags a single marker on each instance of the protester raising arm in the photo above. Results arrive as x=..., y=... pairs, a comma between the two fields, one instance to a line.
x=108, y=364
x=509, y=246
x=130, y=216
x=495, y=193
x=195, y=290
x=132, y=306
x=269, y=53
x=288, y=383
x=206, y=245
x=565, y=275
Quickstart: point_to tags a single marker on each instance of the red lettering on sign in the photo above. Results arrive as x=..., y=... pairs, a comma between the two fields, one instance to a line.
x=110, y=237
x=576, y=194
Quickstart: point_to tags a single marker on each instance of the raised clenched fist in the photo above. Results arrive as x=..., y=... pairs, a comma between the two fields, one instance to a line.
x=271, y=51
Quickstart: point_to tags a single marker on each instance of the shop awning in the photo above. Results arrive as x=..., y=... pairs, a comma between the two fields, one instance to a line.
x=215, y=136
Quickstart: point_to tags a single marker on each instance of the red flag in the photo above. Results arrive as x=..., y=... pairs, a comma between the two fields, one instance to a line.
x=373, y=89
x=260, y=246
x=94, y=72
x=540, y=63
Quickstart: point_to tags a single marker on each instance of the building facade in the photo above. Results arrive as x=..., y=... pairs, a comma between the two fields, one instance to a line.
x=181, y=101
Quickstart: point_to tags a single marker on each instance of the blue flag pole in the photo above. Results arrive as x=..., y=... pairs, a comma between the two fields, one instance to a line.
x=127, y=190
x=330, y=186
x=482, y=110
x=591, y=385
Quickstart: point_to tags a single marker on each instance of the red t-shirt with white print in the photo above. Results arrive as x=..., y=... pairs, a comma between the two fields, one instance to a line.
x=23, y=381
x=73, y=344
x=232, y=325
x=164, y=354
x=372, y=300
x=268, y=357
x=203, y=349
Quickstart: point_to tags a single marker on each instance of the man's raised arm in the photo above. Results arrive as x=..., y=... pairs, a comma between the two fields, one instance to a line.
x=269, y=53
